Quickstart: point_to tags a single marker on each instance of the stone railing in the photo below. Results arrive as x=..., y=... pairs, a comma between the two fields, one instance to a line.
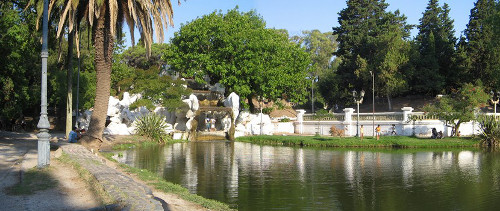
x=405, y=123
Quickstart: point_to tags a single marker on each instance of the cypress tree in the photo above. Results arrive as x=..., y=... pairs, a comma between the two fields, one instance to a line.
x=436, y=41
x=480, y=42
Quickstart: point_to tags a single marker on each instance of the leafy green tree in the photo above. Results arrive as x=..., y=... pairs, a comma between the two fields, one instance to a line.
x=320, y=47
x=481, y=50
x=460, y=106
x=20, y=57
x=236, y=50
x=371, y=40
x=436, y=42
x=159, y=89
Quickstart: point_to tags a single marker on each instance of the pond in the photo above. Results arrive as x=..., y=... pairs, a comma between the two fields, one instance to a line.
x=254, y=177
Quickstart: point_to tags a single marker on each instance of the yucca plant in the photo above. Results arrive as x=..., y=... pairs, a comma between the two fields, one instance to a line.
x=490, y=130
x=152, y=126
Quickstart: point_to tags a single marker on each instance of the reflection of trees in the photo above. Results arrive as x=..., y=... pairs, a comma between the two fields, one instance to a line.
x=256, y=177
x=149, y=157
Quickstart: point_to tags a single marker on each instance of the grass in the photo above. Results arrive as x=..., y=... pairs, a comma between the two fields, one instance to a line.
x=84, y=174
x=34, y=180
x=161, y=184
x=140, y=141
x=385, y=141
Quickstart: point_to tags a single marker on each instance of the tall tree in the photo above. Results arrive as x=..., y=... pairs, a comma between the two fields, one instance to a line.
x=436, y=41
x=19, y=55
x=480, y=35
x=320, y=47
x=106, y=18
x=236, y=50
x=369, y=38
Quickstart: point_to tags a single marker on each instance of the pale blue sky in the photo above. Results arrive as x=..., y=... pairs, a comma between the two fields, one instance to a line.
x=296, y=16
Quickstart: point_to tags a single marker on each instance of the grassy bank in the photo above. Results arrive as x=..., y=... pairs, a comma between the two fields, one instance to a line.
x=161, y=184
x=385, y=141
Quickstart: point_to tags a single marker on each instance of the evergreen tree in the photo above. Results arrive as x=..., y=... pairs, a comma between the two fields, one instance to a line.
x=371, y=39
x=436, y=41
x=480, y=36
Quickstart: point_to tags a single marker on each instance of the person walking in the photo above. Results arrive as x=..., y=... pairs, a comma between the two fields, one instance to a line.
x=377, y=129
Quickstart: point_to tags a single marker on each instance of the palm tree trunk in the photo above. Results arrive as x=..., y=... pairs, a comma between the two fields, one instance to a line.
x=103, y=44
x=69, y=79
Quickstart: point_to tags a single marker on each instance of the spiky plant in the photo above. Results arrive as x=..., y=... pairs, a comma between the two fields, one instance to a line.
x=152, y=126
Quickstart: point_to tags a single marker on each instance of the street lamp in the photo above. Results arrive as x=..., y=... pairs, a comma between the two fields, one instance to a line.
x=373, y=102
x=495, y=99
x=43, y=124
x=358, y=99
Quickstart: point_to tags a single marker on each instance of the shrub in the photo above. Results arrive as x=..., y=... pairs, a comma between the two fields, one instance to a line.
x=334, y=131
x=490, y=130
x=285, y=120
x=142, y=102
x=152, y=126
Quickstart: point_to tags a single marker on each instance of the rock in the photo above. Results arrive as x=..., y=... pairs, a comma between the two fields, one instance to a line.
x=115, y=128
x=233, y=101
x=195, y=105
x=113, y=106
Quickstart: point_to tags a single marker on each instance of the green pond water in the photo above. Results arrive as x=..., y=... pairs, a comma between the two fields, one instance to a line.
x=254, y=177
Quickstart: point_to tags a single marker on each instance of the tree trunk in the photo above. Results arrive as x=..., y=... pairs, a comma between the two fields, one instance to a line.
x=69, y=79
x=250, y=103
x=389, y=102
x=103, y=45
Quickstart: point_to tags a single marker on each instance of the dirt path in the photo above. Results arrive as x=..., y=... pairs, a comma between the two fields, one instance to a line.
x=18, y=151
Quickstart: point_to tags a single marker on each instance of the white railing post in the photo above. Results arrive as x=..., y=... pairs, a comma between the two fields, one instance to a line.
x=348, y=121
x=407, y=124
x=299, y=124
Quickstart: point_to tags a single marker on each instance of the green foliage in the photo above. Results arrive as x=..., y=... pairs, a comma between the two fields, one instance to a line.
x=236, y=50
x=142, y=102
x=20, y=60
x=460, y=106
x=371, y=39
x=285, y=120
x=436, y=43
x=481, y=48
x=267, y=110
x=153, y=126
x=160, y=89
x=490, y=130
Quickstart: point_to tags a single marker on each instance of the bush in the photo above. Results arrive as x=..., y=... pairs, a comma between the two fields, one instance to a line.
x=490, y=130
x=152, y=126
x=285, y=120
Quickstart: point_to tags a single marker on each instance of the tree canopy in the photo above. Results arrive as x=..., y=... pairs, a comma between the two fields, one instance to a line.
x=236, y=50
x=371, y=40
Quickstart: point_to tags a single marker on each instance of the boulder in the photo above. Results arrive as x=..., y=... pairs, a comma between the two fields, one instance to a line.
x=233, y=101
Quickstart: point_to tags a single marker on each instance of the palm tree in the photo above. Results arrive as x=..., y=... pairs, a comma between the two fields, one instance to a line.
x=106, y=17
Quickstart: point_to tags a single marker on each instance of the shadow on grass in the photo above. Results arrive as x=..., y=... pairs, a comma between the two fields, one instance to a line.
x=32, y=181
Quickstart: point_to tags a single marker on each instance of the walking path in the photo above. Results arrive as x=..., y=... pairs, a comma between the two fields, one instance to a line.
x=127, y=192
x=18, y=153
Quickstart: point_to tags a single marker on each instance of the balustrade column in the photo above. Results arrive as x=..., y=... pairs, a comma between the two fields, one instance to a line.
x=348, y=121
x=407, y=123
x=299, y=124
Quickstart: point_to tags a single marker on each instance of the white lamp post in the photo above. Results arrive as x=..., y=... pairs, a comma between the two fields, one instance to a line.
x=373, y=102
x=495, y=99
x=43, y=124
x=358, y=100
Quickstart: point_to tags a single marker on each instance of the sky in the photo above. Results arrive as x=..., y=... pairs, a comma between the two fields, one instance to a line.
x=297, y=16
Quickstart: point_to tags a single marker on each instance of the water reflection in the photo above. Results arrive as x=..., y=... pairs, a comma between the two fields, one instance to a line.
x=254, y=177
